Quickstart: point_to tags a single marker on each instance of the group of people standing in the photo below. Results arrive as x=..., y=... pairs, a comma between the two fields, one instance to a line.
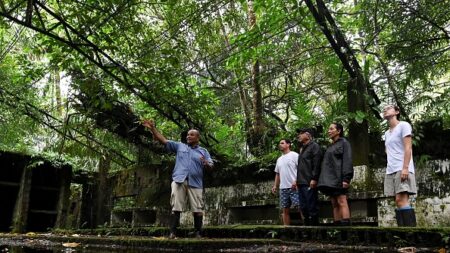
x=300, y=176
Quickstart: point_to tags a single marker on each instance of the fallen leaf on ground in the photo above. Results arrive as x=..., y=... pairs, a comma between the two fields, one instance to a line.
x=71, y=244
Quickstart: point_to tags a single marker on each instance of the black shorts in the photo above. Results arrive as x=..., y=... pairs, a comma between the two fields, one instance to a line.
x=333, y=192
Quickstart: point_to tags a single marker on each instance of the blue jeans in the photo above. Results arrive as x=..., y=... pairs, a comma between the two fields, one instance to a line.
x=308, y=201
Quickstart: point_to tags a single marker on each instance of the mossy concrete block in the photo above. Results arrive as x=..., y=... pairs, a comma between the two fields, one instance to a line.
x=386, y=212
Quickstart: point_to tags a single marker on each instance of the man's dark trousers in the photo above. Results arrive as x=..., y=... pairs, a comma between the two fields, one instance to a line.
x=308, y=204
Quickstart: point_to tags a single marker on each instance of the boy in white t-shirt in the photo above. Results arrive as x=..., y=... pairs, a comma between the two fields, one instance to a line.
x=400, y=179
x=285, y=177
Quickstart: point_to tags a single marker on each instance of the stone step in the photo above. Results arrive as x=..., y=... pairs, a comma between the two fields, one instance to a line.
x=352, y=235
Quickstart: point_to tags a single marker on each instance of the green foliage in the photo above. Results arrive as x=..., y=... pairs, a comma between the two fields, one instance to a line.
x=190, y=63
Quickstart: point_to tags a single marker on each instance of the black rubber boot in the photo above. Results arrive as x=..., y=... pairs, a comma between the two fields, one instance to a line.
x=198, y=223
x=174, y=223
x=409, y=217
x=314, y=221
x=307, y=221
x=345, y=222
x=399, y=218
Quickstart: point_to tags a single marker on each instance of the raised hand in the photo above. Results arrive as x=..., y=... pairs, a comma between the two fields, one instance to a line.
x=149, y=123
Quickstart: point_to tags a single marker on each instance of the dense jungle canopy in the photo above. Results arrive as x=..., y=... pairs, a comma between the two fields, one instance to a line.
x=76, y=77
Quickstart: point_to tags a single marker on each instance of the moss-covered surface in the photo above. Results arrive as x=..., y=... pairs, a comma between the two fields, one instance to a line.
x=143, y=243
x=128, y=244
x=358, y=236
x=250, y=238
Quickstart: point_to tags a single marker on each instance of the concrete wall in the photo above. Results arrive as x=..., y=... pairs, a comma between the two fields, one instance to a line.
x=34, y=193
x=254, y=203
x=432, y=202
x=241, y=203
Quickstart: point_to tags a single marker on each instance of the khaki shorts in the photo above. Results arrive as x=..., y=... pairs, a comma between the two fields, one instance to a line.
x=181, y=193
x=394, y=185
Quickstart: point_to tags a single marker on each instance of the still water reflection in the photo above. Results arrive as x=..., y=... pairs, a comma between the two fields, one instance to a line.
x=21, y=249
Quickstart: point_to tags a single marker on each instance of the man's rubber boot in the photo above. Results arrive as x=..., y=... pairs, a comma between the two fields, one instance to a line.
x=314, y=221
x=409, y=217
x=399, y=218
x=174, y=223
x=198, y=223
x=307, y=221
x=345, y=222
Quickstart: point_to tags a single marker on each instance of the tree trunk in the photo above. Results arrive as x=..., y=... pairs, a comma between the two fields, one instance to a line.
x=255, y=73
x=257, y=98
x=57, y=83
x=255, y=135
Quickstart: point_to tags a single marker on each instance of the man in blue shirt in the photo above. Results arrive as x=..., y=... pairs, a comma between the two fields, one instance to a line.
x=187, y=176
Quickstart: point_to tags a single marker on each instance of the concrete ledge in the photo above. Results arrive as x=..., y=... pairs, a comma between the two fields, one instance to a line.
x=138, y=244
x=267, y=239
x=355, y=236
